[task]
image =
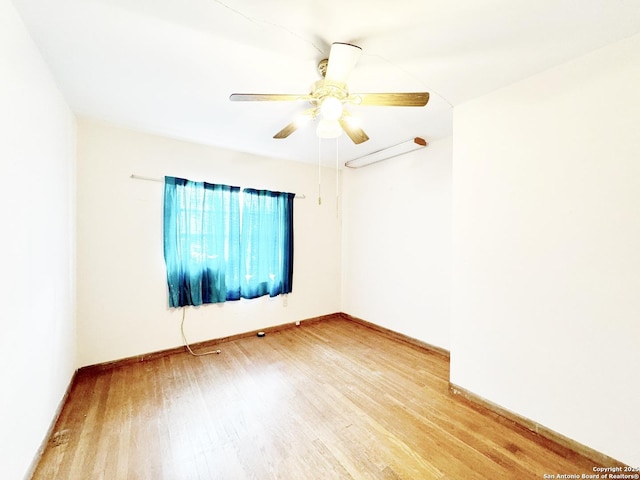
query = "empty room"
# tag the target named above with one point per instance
(311, 240)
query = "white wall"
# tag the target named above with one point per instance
(397, 243)
(546, 236)
(37, 154)
(122, 293)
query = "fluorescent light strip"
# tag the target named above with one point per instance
(387, 153)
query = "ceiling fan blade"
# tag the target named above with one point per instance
(356, 134)
(301, 120)
(414, 99)
(271, 97)
(286, 131)
(342, 58)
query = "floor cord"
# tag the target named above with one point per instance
(186, 343)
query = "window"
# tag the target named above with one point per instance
(267, 243)
(222, 244)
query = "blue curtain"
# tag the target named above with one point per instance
(201, 242)
(219, 246)
(267, 243)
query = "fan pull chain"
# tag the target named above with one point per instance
(319, 174)
(337, 182)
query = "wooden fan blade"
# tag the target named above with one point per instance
(270, 97)
(301, 120)
(414, 99)
(342, 58)
(356, 134)
(286, 131)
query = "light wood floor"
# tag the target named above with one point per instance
(331, 399)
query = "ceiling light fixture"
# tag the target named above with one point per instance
(387, 153)
(301, 120)
(331, 108)
(354, 122)
(328, 128)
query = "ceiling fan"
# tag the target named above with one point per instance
(329, 96)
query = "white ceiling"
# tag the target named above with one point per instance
(169, 66)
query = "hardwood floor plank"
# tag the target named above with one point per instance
(332, 399)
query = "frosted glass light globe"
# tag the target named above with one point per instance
(328, 129)
(331, 108)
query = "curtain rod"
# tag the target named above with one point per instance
(152, 179)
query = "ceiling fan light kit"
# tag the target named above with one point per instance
(328, 128)
(331, 108)
(329, 96)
